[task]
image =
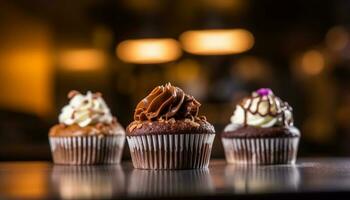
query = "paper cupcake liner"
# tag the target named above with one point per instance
(262, 179)
(164, 183)
(171, 151)
(88, 182)
(261, 151)
(84, 150)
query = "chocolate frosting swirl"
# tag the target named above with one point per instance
(165, 102)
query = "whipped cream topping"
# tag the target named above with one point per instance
(262, 109)
(85, 110)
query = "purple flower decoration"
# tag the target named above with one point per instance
(264, 91)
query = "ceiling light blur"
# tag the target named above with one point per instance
(217, 41)
(82, 59)
(149, 51)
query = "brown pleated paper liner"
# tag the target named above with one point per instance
(87, 150)
(261, 151)
(171, 151)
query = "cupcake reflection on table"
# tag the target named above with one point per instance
(88, 181)
(87, 132)
(261, 131)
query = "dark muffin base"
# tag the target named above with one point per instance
(173, 144)
(261, 146)
(172, 126)
(257, 132)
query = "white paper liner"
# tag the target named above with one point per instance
(88, 182)
(171, 151)
(82, 150)
(164, 183)
(261, 151)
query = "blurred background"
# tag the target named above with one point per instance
(218, 51)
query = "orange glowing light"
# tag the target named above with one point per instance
(149, 51)
(312, 62)
(251, 68)
(184, 71)
(82, 59)
(233, 6)
(337, 38)
(217, 41)
(26, 71)
(24, 184)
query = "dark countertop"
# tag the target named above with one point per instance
(321, 177)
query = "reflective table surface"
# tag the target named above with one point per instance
(318, 177)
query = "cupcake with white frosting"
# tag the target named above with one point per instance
(87, 132)
(261, 131)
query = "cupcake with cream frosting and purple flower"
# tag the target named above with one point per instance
(261, 131)
(87, 132)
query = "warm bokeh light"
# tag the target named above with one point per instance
(188, 73)
(143, 6)
(184, 71)
(251, 68)
(320, 127)
(26, 76)
(102, 37)
(217, 42)
(149, 51)
(233, 6)
(30, 183)
(82, 59)
(26, 71)
(337, 38)
(312, 62)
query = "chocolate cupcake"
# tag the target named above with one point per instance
(261, 131)
(167, 132)
(87, 132)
